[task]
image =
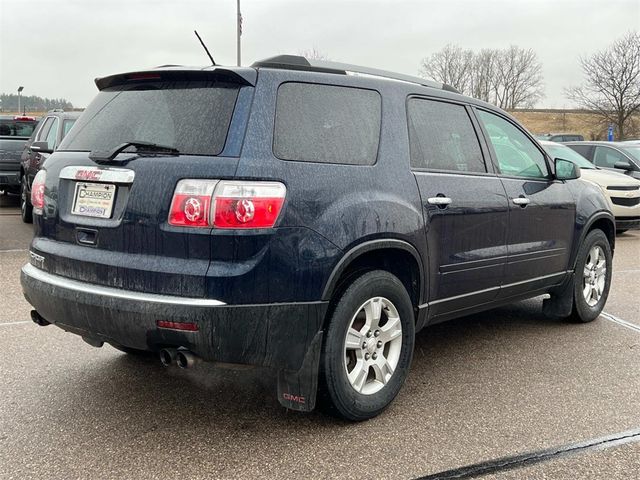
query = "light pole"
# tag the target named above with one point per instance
(238, 31)
(19, 94)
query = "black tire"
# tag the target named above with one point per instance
(582, 311)
(621, 231)
(26, 209)
(336, 394)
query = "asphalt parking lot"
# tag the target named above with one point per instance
(488, 386)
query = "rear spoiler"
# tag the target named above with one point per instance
(243, 76)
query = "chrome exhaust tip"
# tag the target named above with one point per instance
(186, 359)
(168, 356)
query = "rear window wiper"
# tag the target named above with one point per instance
(141, 147)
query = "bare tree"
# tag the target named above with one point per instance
(612, 83)
(509, 78)
(519, 78)
(483, 78)
(451, 65)
(313, 54)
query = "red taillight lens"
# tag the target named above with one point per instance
(191, 204)
(247, 204)
(37, 192)
(226, 204)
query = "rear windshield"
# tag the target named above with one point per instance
(17, 128)
(192, 117)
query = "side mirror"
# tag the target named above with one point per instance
(566, 170)
(41, 147)
(623, 165)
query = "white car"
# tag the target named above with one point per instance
(622, 190)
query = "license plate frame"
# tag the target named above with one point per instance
(94, 200)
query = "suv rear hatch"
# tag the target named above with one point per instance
(109, 187)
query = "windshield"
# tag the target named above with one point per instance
(17, 128)
(566, 153)
(633, 151)
(192, 117)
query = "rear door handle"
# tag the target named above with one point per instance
(522, 201)
(439, 201)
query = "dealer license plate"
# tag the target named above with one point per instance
(94, 199)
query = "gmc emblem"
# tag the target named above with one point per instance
(88, 174)
(293, 398)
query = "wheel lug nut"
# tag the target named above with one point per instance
(374, 356)
(364, 345)
(369, 333)
(377, 333)
(379, 344)
(367, 356)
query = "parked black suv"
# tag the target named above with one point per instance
(44, 140)
(295, 216)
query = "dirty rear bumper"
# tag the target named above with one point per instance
(627, 223)
(271, 335)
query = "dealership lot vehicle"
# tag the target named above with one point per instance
(622, 191)
(14, 133)
(561, 137)
(279, 216)
(43, 141)
(616, 156)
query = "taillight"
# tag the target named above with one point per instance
(191, 204)
(226, 204)
(37, 192)
(247, 204)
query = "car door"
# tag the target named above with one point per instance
(607, 157)
(541, 209)
(464, 205)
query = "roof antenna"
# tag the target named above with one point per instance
(205, 48)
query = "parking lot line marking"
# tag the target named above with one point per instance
(530, 458)
(619, 321)
(15, 250)
(14, 323)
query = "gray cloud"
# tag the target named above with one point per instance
(56, 49)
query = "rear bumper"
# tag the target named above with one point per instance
(627, 223)
(271, 335)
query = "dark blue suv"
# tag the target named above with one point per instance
(297, 216)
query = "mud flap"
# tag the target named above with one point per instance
(560, 305)
(297, 389)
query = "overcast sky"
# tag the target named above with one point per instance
(56, 48)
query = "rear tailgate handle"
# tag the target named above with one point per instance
(85, 236)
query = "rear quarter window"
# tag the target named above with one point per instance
(327, 124)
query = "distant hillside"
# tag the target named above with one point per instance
(584, 122)
(9, 103)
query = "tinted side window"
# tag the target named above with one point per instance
(584, 150)
(66, 126)
(442, 137)
(327, 124)
(516, 154)
(607, 157)
(52, 135)
(44, 131)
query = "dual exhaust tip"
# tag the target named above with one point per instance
(182, 358)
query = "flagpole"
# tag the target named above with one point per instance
(238, 30)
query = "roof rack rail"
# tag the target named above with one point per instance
(297, 62)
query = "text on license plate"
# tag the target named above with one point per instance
(94, 199)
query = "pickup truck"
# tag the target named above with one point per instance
(14, 133)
